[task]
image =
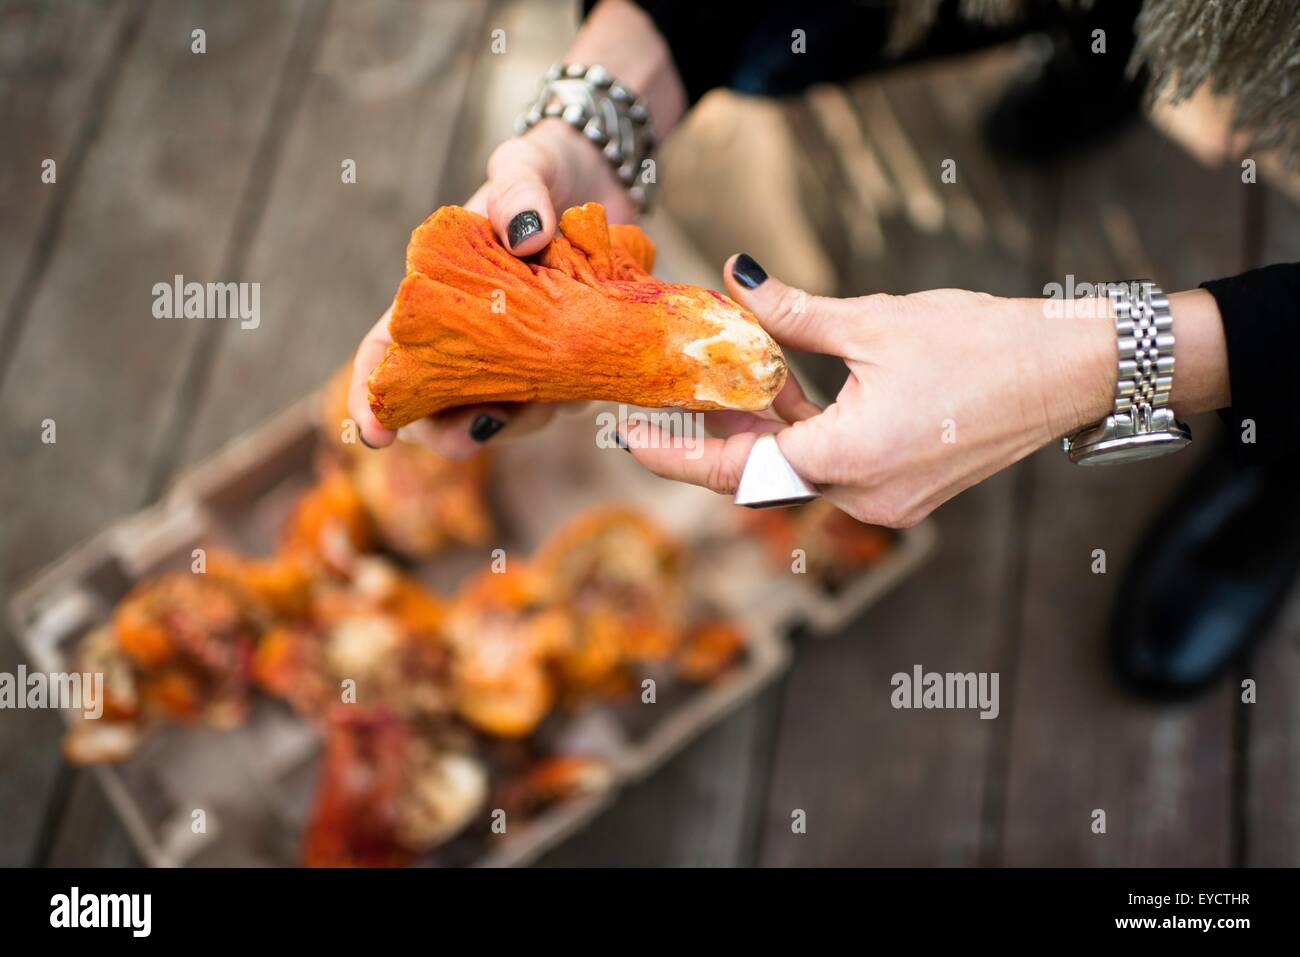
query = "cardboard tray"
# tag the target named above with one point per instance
(255, 782)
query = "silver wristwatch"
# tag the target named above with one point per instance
(1142, 425)
(605, 111)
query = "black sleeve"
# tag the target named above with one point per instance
(751, 45)
(1261, 321)
(780, 47)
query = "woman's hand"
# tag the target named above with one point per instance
(531, 179)
(945, 388)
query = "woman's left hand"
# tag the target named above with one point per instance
(945, 388)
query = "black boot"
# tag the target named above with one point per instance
(1068, 99)
(1208, 578)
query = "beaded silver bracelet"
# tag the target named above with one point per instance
(606, 112)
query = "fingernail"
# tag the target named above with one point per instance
(362, 436)
(523, 226)
(747, 272)
(622, 442)
(484, 427)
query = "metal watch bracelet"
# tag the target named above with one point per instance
(1146, 349)
(1141, 424)
(606, 112)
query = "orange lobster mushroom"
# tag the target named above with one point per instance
(418, 501)
(621, 578)
(502, 638)
(385, 795)
(583, 319)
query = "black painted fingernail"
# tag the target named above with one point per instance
(747, 272)
(523, 226)
(622, 442)
(484, 427)
(362, 436)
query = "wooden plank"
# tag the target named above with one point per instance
(307, 255)
(158, 196)
(969, 233)
(1271, 811)
(59, 66)
(88, 832)
(61, 63)
(695, 811)
(385, 92)
(1162, 775)
(1271, 802)
(373, 73)
(699, 810)
(745, 155)
(882, 786)
(537, 34)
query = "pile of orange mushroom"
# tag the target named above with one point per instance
(427, 703)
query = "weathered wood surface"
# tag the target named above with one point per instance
(327, 253)
(226, 166)
(1078, 743)
(385, 90)
(879, 785)
(700, 809)
(1270, 823)
(59, 64)
(156, 195)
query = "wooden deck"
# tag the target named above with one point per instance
(226, 165)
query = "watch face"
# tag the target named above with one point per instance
(1132, 448)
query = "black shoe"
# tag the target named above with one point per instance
(1068, 99)
(1208, 578)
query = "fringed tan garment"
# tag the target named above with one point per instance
(1246, 49)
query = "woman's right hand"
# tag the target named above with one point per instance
(531, 180)
(535, 177)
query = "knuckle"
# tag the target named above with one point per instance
(866, 513)
(506, 198)
(506, 153)
(887, 513)
(890, 518)
(908, 514)
(447, 445)
(516, 155)
(909, 519)
(723, 475)
(882, 305)
(794, 310)
(791, 305)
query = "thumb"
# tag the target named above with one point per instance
(520, 175)
(793, 317)
(814, 447)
